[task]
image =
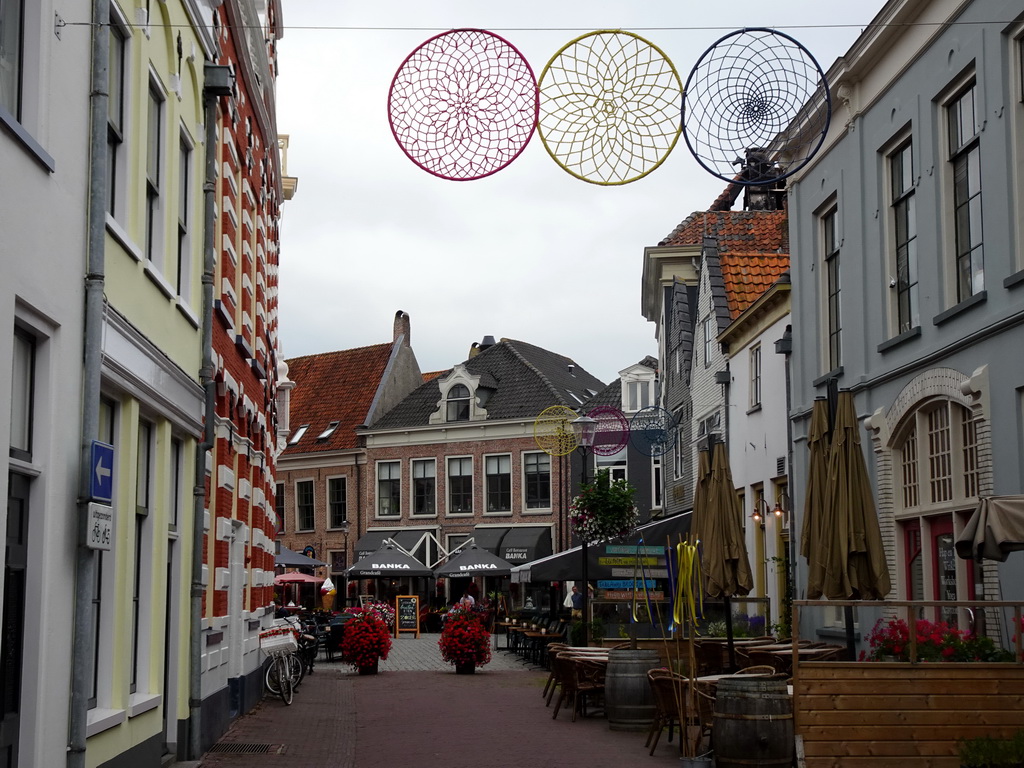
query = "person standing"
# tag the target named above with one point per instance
(577, 602)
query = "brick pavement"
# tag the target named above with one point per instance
(417, 712)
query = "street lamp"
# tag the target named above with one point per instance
(585, 428)
(344, 530)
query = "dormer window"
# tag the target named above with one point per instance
(638, 395)
(457, 406)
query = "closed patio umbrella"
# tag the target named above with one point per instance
(851, 546)
(812, 532)
(700, 494)
(994, 530)
(723, 549)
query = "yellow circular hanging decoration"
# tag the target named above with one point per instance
(553, 432)
(610, 107)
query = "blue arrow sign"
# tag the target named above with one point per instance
(101, 472)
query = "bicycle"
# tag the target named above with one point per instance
(284, 669)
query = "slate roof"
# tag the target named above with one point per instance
(612, 394)
(520, 379)
(334, 386)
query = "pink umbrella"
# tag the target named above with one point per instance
(295, 577)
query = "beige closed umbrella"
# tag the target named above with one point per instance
(994, 530)
(855, 566)
(811, 532)
(723, 549)
(698, 517)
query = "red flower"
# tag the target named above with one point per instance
(366, 639)
(464, 639)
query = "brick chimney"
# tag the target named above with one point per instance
(402, 328)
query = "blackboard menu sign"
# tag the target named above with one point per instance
(407, 614)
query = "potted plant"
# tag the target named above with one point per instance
(604, 509)
(366, 640)
(465, 641)
(889, 640)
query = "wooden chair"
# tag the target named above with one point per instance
(757, 669)
(552, 682)
(776, 661)
(709, 658)
(580, 678)
(704, 703)
(669, 691)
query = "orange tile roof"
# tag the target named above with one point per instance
(431, 375)
(748, 275)
(334, 386)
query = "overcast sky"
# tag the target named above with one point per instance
(529, 253)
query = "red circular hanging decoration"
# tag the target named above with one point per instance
(464, 104)
(612, 432)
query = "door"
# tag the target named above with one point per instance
(12, 630)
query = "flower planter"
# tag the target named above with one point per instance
(465, 669)
(370, 670)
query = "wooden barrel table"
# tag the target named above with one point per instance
(753, 722)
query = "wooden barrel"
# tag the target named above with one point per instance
(753, 723)
(628, 700)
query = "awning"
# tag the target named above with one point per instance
(289, 558)
(525, 543)
(489, 536)
(569, 564)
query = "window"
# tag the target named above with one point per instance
(755, 376)
(279, 506)
(183, 267)
(537, 486)
(304, 506)
(656, 480)
(143, 502)
(298, 434)
(458, 403)
(115, 109)
(964, 156)
(337, 502)
(638, 395)
(830, 251)
(460, 486)
(498, 470)
(10, 56)
(424, 486)
(904, 220)
(709, 335)
(22, 386)
(177, 481)
(154, 146)
(937, 457)
(614, 464)
(389, 490)
(329, 431)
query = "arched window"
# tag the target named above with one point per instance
(458, 403)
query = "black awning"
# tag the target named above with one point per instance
(489, 537)
(370, 541)
(569, 563)
(525, 543)
(289, 558)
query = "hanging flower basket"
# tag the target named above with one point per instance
(604, 509)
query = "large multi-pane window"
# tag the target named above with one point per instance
(279, 506)
(183, 267)
(424, 486)
(337, 502)
(904, 221)
(498, 471)
(755, 375)
(638, 394)
(115, 108)
(457, 406)
(537, 476)
(10, 56)
(143, 502)
(830, 252)
(389, 489)
(460, 486)
(304, 507)
(965, 158)
(22, 385)
(154, 146)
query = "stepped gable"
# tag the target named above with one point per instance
(518, 381)
(334, 386)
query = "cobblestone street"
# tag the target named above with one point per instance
(417, 712)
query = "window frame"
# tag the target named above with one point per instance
(902, 189)
(464, 494)
(424, 488)
(458, 402)
(394, 488)
(754, 355)
(831, 246)
(502, 479)
(536, 482)
(117, 129)
(963, 159)
(304, 506)
(154, 166)
(23, 393)
(334, 522)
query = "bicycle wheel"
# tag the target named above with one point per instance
(285, 679)
(296, 669)
(271, 677)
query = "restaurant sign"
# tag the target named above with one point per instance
(515, 553)
(626, 549)
(629, 560)
(625, 584)
(653, 573)
(629, 594)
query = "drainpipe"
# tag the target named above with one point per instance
(83, 640)
(217, 83)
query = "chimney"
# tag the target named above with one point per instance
(474, 349)
(487, 342)
(402, 328)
